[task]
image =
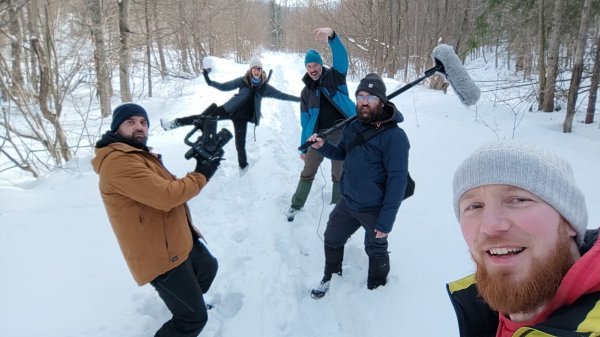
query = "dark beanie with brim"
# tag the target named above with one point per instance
(373, 84)
(126, 111)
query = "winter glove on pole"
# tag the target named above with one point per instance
(207, 167)
(206, 78)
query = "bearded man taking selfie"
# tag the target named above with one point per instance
(525, 222)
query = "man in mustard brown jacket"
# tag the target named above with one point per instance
(146, 206)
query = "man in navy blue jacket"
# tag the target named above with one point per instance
(324, 102)
(373, 182)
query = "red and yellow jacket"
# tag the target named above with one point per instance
(574, 310)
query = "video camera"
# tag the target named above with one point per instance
(209, 144)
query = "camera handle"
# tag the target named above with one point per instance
(186, 140)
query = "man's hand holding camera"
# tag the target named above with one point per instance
(207, 167)
(208, 148)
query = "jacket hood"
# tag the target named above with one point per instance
(110, 137)
(110, 142)
(389, 115)
(583, 277)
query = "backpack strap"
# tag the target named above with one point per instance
(364, 136)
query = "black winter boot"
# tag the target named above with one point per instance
(321, 289)
(379, 268)
(190, 120)
(333, 265)
(333, 260)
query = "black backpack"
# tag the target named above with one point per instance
(372, 132)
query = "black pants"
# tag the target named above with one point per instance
(181, 289)
(240, 129)
(343, 222)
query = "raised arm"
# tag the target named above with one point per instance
(338, 50)
(226, 86)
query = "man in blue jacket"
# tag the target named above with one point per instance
(324, 102)
(373, 182)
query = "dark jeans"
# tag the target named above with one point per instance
(240, 129)
(343, 222)
(181, 289)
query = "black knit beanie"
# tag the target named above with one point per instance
(373, 84)
(125, 111)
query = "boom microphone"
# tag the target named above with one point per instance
(448, 64)
(456, 74)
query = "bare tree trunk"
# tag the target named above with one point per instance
(541, 53)
(591, 108)
(102, 68)
(438, 82)
(148, 45)
(34, 30)
(16, 44)
(240, 19)
(464, 27)
(211, 33)
(124, 60)
(159, 41)
(407, 49)
(388, 36)
(578, 68)
(182, 37)
(553, 51)
(63, 150)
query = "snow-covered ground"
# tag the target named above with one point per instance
(63, 274)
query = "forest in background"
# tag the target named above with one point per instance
(52, 51)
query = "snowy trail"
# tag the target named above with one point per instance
(260, 246)
(61, 263)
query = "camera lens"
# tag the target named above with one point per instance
(223, 137)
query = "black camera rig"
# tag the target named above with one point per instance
(209, 144)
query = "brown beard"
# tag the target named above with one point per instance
(370, 116)
(507, 296)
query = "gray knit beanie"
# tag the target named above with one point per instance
(529, 167)
(255, 63)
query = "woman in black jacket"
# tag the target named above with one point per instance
(242, 108)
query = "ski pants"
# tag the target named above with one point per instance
(181, 289)
(343, 222)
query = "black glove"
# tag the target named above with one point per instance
(207, 167)
(206, 78)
